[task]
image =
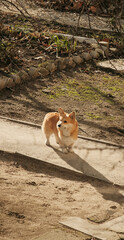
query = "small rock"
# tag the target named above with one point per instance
(3, 83)
(10, 83)
(16, 78)
(51, 67)
(103, 43)
(114, 50)
(105, 50)
(69, 61)
(60, 63)
(37, 58)
(7, 82)
(44, 72)
(34, 72)
(100, 51)
(95, 45)
(44, 64)
(47, 91)
(77, 59)
(99, 218)
(94, 54)
(101, 47)
(23, 75)
(86, 56)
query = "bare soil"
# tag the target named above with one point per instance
(35, 197)
(96, 97)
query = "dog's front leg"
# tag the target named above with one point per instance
(57, 139)
(70, 148)
(64, 149)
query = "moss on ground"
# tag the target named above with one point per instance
(107, 89)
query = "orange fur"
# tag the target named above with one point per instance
(64, 126)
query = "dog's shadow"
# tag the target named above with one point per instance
(86, 169)
(79, 164)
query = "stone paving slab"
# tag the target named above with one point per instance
(95, 230)
(92, 158)
(114, 65)
(116, 225)
(104, 231)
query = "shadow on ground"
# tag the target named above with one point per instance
(107, 190)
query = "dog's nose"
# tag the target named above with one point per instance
(59, 125)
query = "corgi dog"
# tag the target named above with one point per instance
(64, 126)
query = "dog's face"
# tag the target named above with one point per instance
(66, 122)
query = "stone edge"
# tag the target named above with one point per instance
(48, 67)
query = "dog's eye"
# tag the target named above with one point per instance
(65, 121)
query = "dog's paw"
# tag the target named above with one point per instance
(64, 150)
(47, 143)
(70, 150)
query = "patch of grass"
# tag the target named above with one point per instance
(93, 116)
(111, 86)
(56, 93)
(96, 116)
(114, 89)
(88, 92)
(78, 91)
(110, 118)
(106, 79)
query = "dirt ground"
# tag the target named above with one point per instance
(34, 197)
(96, 97)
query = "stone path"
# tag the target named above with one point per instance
(104, 231)
(92, 158)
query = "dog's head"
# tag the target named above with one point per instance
(66, 122)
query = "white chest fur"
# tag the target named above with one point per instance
(67, 141)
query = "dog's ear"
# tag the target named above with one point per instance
(72, 115)
(61, 111)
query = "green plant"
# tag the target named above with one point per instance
(62, 44)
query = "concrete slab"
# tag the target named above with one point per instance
(116, 225)
(94, 230)
(77, 38)
(99, 160)
(115, 65)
